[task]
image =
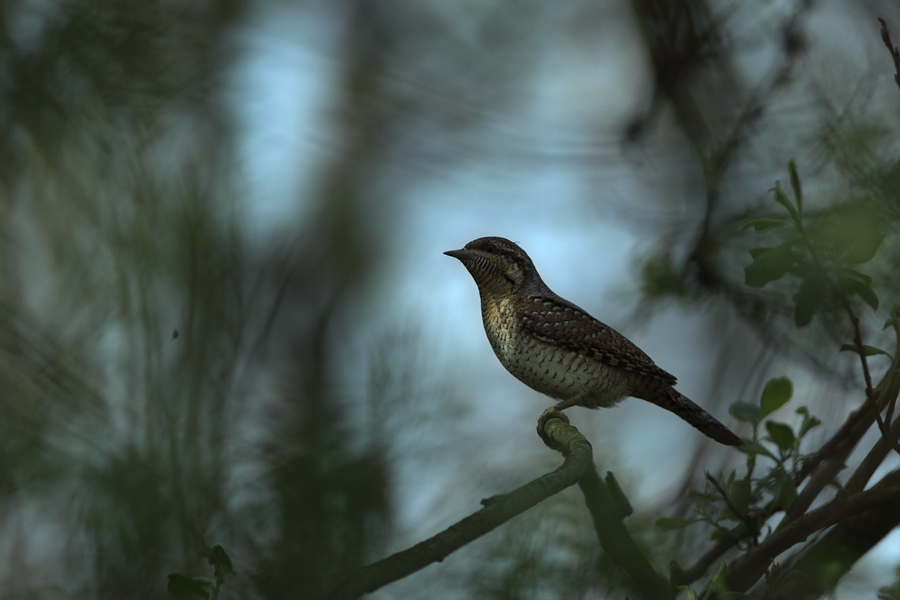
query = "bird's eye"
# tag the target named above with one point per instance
(490, 248)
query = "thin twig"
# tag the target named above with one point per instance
(745, 519)
(860, 348)
(895, 365)
(870, 393)
(860, 478)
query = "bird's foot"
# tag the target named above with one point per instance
(551, 413)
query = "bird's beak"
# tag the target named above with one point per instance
(461, 254)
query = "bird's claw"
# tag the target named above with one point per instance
(550, 413)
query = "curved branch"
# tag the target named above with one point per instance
(497, 510)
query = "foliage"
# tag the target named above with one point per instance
(745, 503)
(821, 252)
(169, 374)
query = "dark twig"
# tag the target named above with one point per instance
(889, 379)
(872, 461)
(860, 348)
(745, 519)
(895, 54)
(870, 392)
(889, 389)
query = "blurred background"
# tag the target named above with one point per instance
(225, 315)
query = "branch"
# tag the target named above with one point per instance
(747, 569)
(822, 564)
(887, 390)
(617, 541)
(826, 463)
(873, 460)
(698, 569)
(874, 402)
(497, 510)
(824, 466)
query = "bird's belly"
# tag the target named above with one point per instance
(563, 374)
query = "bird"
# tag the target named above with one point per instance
(558, 349)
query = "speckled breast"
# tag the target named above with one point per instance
(549, 369)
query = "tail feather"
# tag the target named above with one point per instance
(670, 399)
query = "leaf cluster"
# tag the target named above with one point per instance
(822, 251)
(737, 508)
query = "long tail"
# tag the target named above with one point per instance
(670, 399)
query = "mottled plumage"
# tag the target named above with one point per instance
(558, 349)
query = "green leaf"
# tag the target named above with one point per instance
(785, 492)
(674, 523)
(746, 412)
(847, 273)
(867, 350)
(859, 286)
(692, 595)
(853, 230)
(781, 434)
(795, 183)
(864, 248)
(751, 447)
(719, 588)
(739, 496)
(802, 267)
(763, 224)
(218, 558)
(781, 199)
(808, 422)
(721, 533)
(770, 264)
(775, 395)
(184, 585)
(767, 266)
(809, 298)
(703, 502)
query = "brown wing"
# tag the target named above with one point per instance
(558, 322)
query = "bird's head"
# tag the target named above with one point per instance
(497, 265)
